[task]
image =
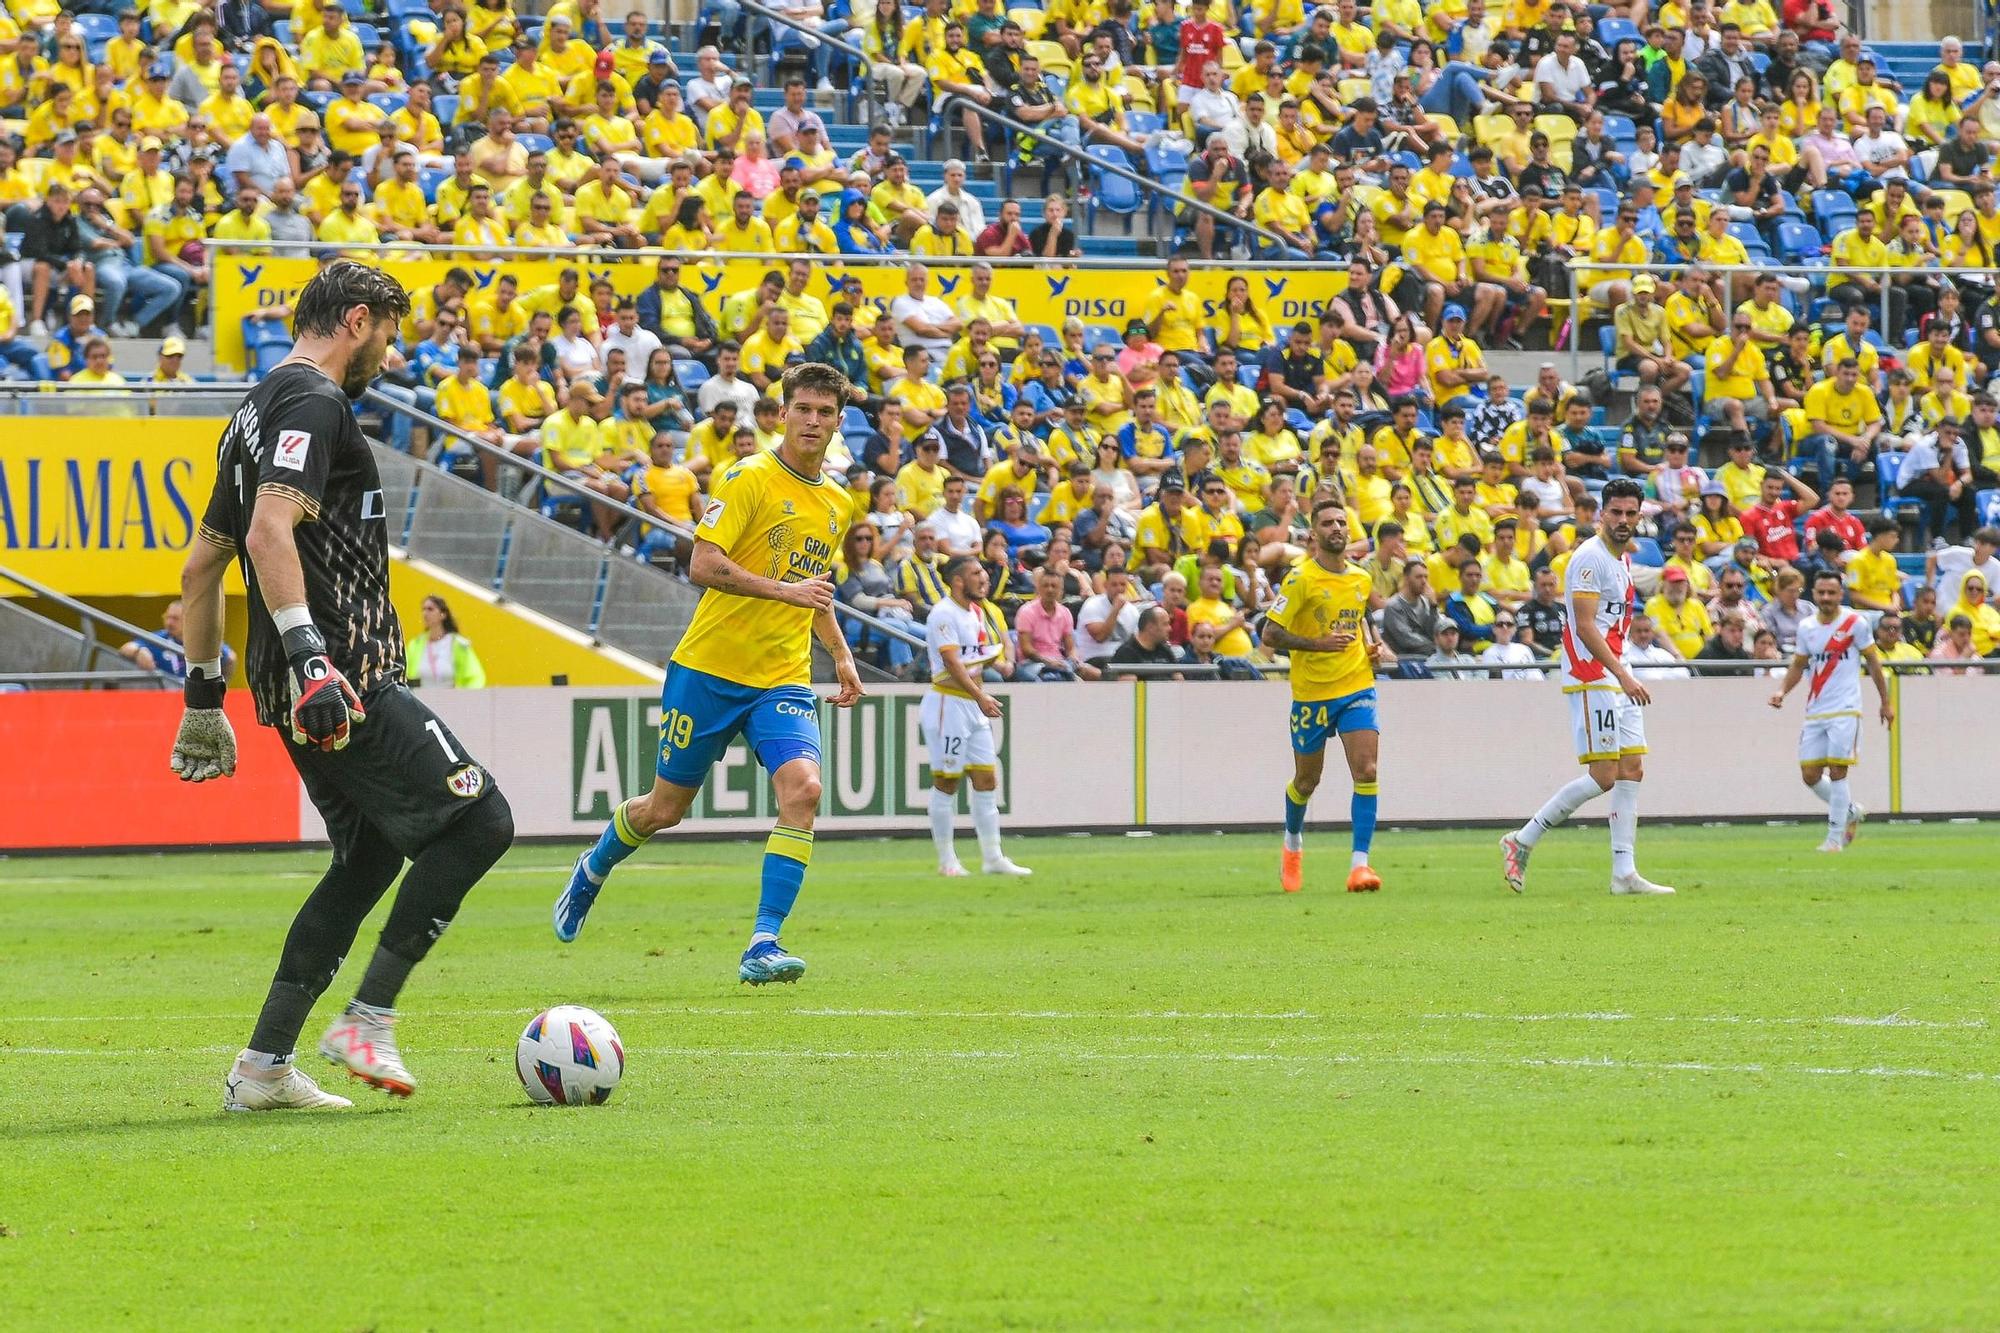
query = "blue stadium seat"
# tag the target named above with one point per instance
(445, 107)
(430, 178)
(1613, 30)
(97, 27)
(535, 143)
(854, 426)
(390, 103)
(1139, 124)
(1646, 551)
(1112, 192)
(690, 375)
(1051, 339)
(1833, 210)
(1799, 240)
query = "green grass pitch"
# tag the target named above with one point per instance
(1141, 1090)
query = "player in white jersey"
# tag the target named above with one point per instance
(956, 719)
(1605, 698)
(1834, 646)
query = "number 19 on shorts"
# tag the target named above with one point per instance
(676, 732)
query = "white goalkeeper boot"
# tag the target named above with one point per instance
(285, 1087)
(363, 1041)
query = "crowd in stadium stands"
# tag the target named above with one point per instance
(1134, 492)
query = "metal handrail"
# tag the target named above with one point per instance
(1580, 268)
(116, 680)
(1707, 666)
(439, 427)
(1005, 121)
(90, 618)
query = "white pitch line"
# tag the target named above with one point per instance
(1832, 1020)
(1098, 1016)
(1175, 1057)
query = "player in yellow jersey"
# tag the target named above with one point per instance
(763, 550)
(1321, 620)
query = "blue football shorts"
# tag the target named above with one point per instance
(1313, 721)
(701, 714)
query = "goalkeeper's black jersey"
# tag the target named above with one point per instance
(296, 436)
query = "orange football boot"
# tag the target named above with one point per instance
(1363, 879)
(1291, 871)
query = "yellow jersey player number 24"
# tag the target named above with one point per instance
(763, 553)
(1320, 621)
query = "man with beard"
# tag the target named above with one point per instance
(298, 502)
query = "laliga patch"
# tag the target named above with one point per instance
(712, 515)
(291, 450)
(467, 781)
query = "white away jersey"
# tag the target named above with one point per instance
(1593, 569)
(1833, 663)
(964, 629)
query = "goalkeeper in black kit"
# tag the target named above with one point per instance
(299, 503)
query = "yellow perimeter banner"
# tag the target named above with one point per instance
(1044, 295)
(105, 507)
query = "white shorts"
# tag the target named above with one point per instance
(1834, 739)
(957, 735)
(1606, 725)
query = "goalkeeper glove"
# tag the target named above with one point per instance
(324, 705)
(205, 746)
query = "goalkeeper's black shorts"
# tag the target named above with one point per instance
(403, 778)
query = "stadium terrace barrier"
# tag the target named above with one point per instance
(1106, 757)
(551, 482)
(1583, 276)
(1101, 292)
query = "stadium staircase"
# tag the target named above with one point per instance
(521, 544)
(61, 643)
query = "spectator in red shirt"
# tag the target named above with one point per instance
(1812, 20)
(1004, 236)
(1201, 46)
(1771, 519)
(1834, 517)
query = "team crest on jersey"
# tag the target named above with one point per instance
(467, 781)
(790, 509)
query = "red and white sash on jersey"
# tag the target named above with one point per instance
(1837, 646)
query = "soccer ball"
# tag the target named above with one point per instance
(569, 1056)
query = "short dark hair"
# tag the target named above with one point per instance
(1621, 488)
(816, 377)
(1833, 574)
(337, 289)
(1881, 524)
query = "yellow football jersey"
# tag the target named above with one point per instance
(780, 525)
(1313, 601)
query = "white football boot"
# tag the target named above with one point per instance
(1000, 865)
(365, 1045)
(1636, 883)
(285, 1088)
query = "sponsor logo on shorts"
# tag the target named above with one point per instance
(467, 781)
(797, 710)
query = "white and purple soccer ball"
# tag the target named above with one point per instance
(569, 1056)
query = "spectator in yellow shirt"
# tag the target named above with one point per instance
(330, 52)
(1681, 618)
(606, 211)
(348, 225)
